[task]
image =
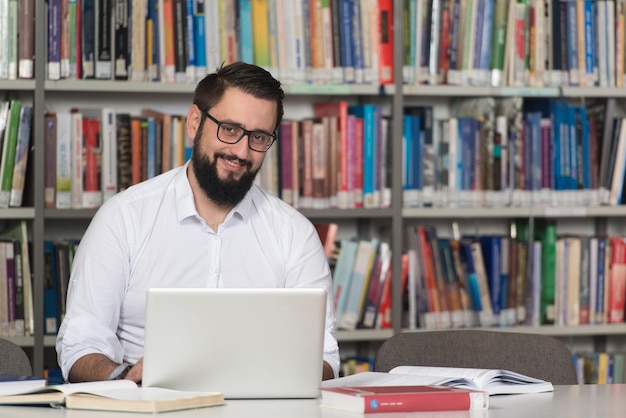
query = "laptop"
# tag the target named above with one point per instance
(245, 343)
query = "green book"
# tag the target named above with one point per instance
(548, 272)
(618, 367)
(8, 153)
(498, 41)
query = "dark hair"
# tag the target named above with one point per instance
(248, 78)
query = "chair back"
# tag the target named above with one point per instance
(534, 355)
(13, 360)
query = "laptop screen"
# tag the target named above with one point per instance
(245, 343)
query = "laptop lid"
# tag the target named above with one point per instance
(245, 343)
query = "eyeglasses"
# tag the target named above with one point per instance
(231, 134)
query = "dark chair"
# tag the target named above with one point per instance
(534, 355)
(13, 360)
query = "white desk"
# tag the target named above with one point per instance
(588, 401)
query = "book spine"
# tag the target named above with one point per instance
(77, 159)
(103, 49)
(54, 40)
(181, 49)
(73, 34)
(88, 38)
(120, 45)
(386, 67)
(108, 153)
(92, 191)
(26, 43)
(190, 42)
(123, 151)
(8, 152)
(22, 149)
(50, 144)
(19, 289)
(199, 33)
(50, 297)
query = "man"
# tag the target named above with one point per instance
(200, 225)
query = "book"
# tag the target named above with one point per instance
(368, 399)
(493, 381)
(11, 383)
(112, 395)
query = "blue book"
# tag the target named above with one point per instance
(190, 37)
(492, 248)
(590, 44)
(343, 273)
(359, 280)
(50, 291)
(346, 14)
(200, 38)
(407, 163)
(151, 152)
(466, 130)
(478, 37)
(367, 112)
(485, 48)
(572, 148)
(88, 38)
(572, 45)
(245, 31)
(357, 43)
(473, 289)
(583, 122)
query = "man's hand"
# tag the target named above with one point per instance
(92, 367)
(135, 372)
(327, 372)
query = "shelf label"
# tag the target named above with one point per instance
(566, 211)
(527, 92)
(319, 89)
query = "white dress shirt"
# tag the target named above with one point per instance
(152, 236)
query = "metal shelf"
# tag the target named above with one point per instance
(364, 335)
(556, 330)
(17, 213)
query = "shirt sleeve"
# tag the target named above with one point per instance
(96, 290)
(308, 267)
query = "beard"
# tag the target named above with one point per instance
(223, 192)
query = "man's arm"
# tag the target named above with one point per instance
(327, 372)
(94, 367)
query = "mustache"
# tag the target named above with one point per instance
(230, 157)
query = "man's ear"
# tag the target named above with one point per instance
(192, 122)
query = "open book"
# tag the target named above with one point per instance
(493, 381)
(113, 395)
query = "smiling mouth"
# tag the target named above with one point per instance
(233, 161)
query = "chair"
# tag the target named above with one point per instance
(13, 360)
(533, 355)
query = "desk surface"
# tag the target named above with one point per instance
(585, 401)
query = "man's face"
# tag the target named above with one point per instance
(225, 172)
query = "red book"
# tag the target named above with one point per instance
(338, 109)
(385, 8)
(368, 399)
(617, 281)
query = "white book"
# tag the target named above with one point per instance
(12, 40)
(64, 161)
(212, 33)
(4, 39)
(494, 381)
(76, 144)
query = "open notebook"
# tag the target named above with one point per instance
(245, 343)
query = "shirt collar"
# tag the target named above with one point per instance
(185, 205)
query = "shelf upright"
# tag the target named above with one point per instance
(37, 256)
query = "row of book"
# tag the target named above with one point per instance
(339, 41)
(496, 280)
(15, 142)
(598, 368)
(338, 158)
(515, 152)
(91, 154)
(16, 296)
(491, 42)
(17, 39)
(514, 42)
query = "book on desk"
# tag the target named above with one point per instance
(493, 381)
(110, 395)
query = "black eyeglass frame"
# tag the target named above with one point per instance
(245, 132)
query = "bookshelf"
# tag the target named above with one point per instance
(44, 221)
